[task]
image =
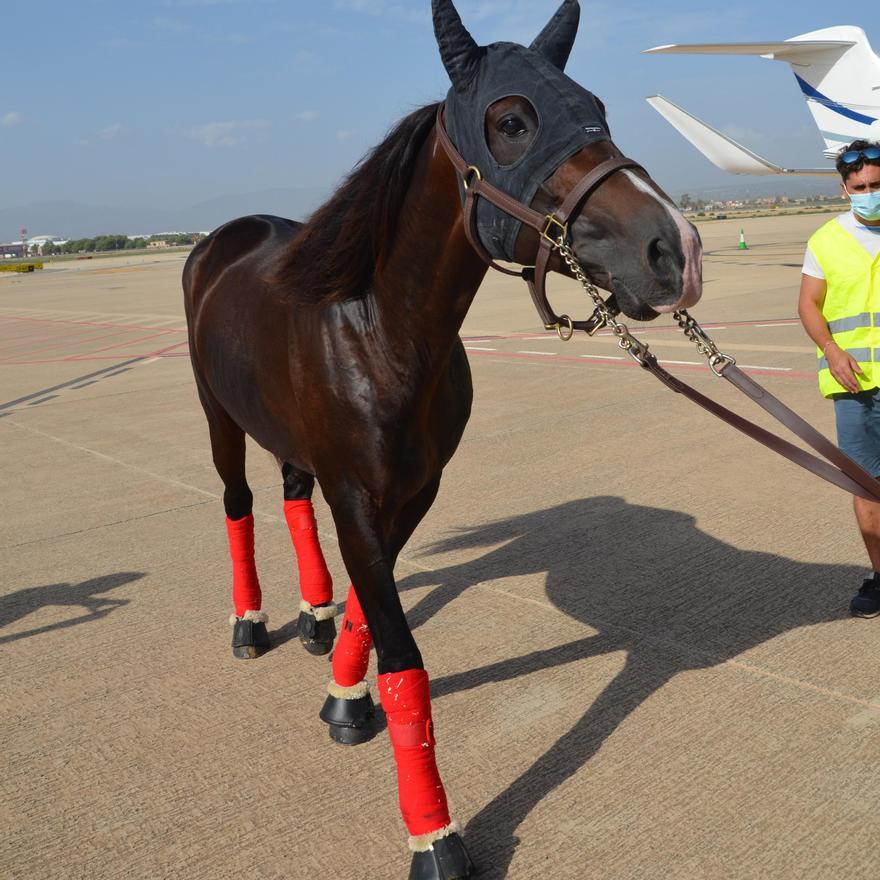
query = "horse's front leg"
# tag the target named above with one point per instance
(404, 691)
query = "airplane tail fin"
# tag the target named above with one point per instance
(725, 152)
(836, 70)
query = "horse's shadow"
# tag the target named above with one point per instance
(86, 595)
(653, 585)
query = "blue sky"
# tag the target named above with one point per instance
(170, 102)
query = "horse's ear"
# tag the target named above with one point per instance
(557, 38)
(458, 50)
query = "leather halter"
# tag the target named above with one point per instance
(550, 227)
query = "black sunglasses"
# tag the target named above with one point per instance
(851, 156)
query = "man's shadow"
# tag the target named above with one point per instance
(653, 585)
(85, 595)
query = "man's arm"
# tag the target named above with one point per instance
(812, 297)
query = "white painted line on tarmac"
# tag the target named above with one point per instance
(756, 367)
(132, 467)
(780, 324)
(603, 357)
(544, 353)
(682, 363)
(152, 360)
(476, 348)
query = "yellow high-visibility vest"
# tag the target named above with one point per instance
(852, 303)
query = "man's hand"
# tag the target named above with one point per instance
(844, 367)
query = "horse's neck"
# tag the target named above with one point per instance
(431, 274)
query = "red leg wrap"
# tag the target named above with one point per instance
(406, 700)
(315, 583)
(351, 656)
(246, 595)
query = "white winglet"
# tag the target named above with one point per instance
(723, 151)
(836, 70)
(781, 51)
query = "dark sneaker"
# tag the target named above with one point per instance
(866, 603)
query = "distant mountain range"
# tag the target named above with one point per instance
(70, 219)
(76, 220)
(761, 187)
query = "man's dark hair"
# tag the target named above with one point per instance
(845, 169)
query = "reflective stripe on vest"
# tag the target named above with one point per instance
(852, 304)
(841, 325)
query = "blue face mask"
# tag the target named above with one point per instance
(866, 205)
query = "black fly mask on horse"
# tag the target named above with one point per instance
(569, 116)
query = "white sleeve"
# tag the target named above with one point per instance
(811, 266)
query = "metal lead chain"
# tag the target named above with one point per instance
(705, 345)
(635, 348)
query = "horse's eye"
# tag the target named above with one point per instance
(512, 127)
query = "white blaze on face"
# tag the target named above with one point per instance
(691, 275)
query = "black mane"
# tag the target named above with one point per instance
(340, 246)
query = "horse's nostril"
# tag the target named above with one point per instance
(659, 254)
(656, 251)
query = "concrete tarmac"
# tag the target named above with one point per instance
(635, 619)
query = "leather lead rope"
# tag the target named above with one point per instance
(839, 469)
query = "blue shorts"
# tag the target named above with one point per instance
(858, 427)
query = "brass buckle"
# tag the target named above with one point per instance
(564, 328)
(471, 170)
(596, 322)
(553, 221)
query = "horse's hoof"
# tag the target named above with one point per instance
(317, 636)
(351, 722)
(446, 859)
(250, 638)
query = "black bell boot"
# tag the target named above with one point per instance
(250, 637)
(444, 859)
(349, 713)
(317, 627)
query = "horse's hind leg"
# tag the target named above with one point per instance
(317, 628)
(249, 635)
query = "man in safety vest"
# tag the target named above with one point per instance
(839, 307)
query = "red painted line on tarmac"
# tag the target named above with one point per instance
(638, 329)
(629, 362)
(92, 323)
(103, 357)
(17, 333)
(58, 341)
(117, 345)
(66, 360)
(17, 344)
(169, 352)
(163, 352)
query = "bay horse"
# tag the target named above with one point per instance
(334, 344)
